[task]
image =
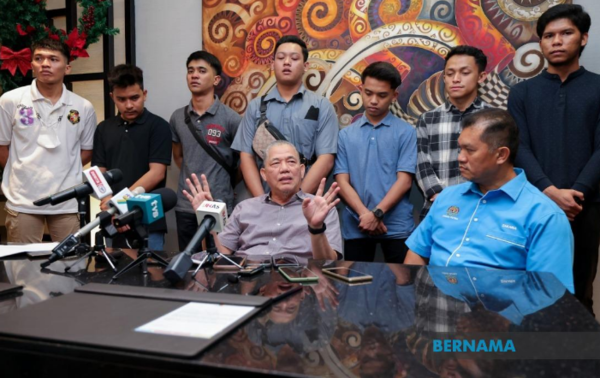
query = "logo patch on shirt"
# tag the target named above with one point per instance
(452, 212)
(509, 227)
(74, 117)
(214, 134)
(451, 278)
(26, 113)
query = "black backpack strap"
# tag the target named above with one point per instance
(263, 109)
(209, 150)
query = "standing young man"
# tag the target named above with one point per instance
(306, 120)
(558, 114)
(135, 141)
(374, 168)
(46, 135)
(216, 124)
(438, 130)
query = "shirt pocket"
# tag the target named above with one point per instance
(507, 240)
(305, 134)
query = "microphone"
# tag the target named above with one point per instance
(112, 177)
(212, 216)
(147, 208)
(68, 243)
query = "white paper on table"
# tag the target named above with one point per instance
(9, 250)
(200, 320)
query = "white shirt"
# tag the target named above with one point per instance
(45, 146)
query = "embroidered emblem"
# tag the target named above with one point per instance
(452, 211)
(74, 117)
(26, 114)
(451, 278)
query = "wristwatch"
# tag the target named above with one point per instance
(317, 231)
(378, 213)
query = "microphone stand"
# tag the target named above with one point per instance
(84, 241)
(76, 244)
(144, 253)
(212, 254)
(182, 263)
(98, 250)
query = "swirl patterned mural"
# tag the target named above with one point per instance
(344, 36)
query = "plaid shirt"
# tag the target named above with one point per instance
(437, 144)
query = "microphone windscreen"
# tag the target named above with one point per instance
(168, 196)
(113, 176)
(139, 190)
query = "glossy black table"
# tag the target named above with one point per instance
(384, 328)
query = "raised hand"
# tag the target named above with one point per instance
(315, 209)
(199, 190)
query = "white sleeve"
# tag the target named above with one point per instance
(89, 127)
(7, 116)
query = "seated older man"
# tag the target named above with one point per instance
(284, 221)
(498, 220)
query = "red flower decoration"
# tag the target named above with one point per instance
(20, 30)
(11, 60)
(28, 30)
(76, 42)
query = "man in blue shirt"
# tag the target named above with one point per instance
(374, 167)
(498, 220)
(305, 119)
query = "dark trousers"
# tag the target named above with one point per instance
(394, 250)
(586, 232)
(187, 225)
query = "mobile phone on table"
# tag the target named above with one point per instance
(298, 274)
(251, 270)
(254, 261)
(347, 275)
(224, 264)
(285, 261)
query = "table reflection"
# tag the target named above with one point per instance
(381, 328)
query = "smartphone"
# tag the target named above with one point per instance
(286, 260)
(303, 274)
(264, 261)
(224, 264)
(251, 270)
(347, 275)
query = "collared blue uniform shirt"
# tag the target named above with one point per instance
(373, 155)
(512, 294)
(514, 227)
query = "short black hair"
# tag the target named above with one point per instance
(54, 45)
(209, 58)
(477, 54)
(573, 12)
(500, 129)
(292, 39)
(383, 71)
(125, 75)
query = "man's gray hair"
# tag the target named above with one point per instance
(279, 143)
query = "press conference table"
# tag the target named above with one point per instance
(386, 327)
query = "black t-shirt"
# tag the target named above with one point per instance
(131, 147)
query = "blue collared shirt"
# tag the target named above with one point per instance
(382, 302)
(372, 155)
(514, 227)
(512, 294)
(307, 120)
